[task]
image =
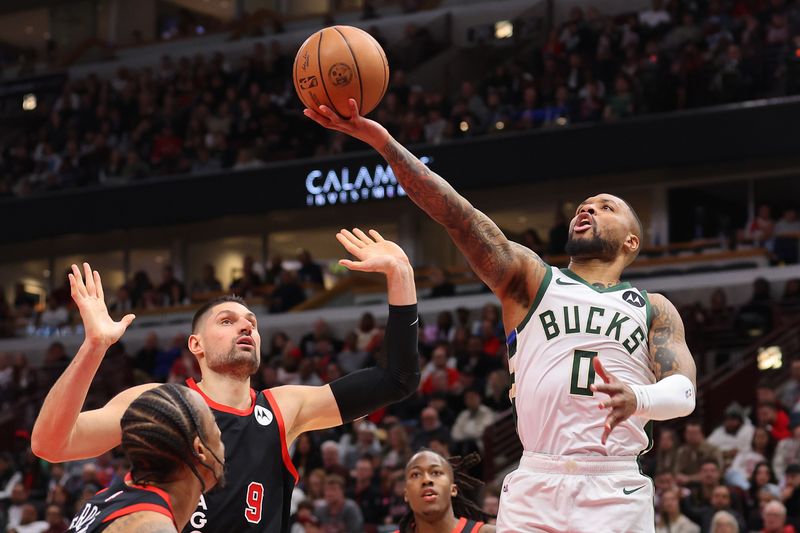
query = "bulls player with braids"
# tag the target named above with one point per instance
(176, 453)
(257, 426)
(435, 492)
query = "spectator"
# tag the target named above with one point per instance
(439, 361)
(9, 477)
(337, 513)
(787, 233)
(787, 452)
(332, 460)
(397, 451)
(29, 521)
(756, 317)
(789, 392)
(472, 421)
(724, 522)
(790, 493)
(694, 452)
(249, 280)
(304, 520)
(208, 282)
(773, 419)
(762, 227)
(774, 516)
(309, 272)
(762, 478)
(497, 391)
(430, 428)
(745, 461)
(655, 16)
(366, 443)
(18, 500)
(396, 506)
(735, 433)
(54, 317)
(273, 274)
(721, 502)
(667, 451)
(54, 516)
(287, 295)
(670, 519)
(366, 493)
(440, 285)
(171, 289)
(366, 332)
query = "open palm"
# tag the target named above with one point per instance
(374, 253)
(88, 296)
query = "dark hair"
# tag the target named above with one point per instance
(212, 303)
(772, 479)
(158, 432)
(639, 225)
(463, 507)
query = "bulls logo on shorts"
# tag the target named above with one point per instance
(263, 416)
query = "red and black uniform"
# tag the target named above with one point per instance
(120, 499)
(464, 526)
(259, 474)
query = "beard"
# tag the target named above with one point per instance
(594, 247)
(237, 363)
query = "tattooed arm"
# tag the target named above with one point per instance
(512, 271)
(672, 363)
(669, 354)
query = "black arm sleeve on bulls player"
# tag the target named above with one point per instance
(364, 391)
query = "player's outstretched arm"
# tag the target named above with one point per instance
(364, 391)
(142, 522)
(511, 271)
(62, 432)
(674, 393)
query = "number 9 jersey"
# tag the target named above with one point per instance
(259, 474)
(550, 360)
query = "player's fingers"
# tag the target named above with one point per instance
(377, 236)
(613, 402)
(98, 285)
(352, 265)
(330, 114)
(79, 286)
(348, 245)
(363, 236)
(316, 117)
(127, 319)
(600, 370)
(352, 238)
(607, 388)
(351, 103)
(610, 424)
(89, 279)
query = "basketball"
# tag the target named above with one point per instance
(339, 63)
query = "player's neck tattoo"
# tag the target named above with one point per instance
(601, 285)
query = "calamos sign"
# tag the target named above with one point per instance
(348, 186)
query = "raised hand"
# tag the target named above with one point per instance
(356, 126)
(622, 401)
(88, 296)
(374, 253)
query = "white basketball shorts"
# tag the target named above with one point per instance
(576, 494)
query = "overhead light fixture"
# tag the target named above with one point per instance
(503, 29)
(770, 358)
(29, 102)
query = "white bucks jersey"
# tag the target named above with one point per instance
(550, 359)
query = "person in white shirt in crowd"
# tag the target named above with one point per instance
(787, 452)
(472, 421)
(735, 433)
(29, 521)
(789, 392)
(743, 464)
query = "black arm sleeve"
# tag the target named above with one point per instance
(364, 391)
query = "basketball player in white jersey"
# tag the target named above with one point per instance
(592, 360)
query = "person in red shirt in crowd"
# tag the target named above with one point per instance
(439, 360)
(774, 419)
(774, 516)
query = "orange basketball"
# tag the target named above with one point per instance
(339, 63)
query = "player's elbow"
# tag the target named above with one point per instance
(42, 447)
(402, 385)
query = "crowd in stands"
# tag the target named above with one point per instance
(352, 477)
(204, 114)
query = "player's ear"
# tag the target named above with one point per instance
(453, 490)
(199, 449)
(632, 242)
(195, 345)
